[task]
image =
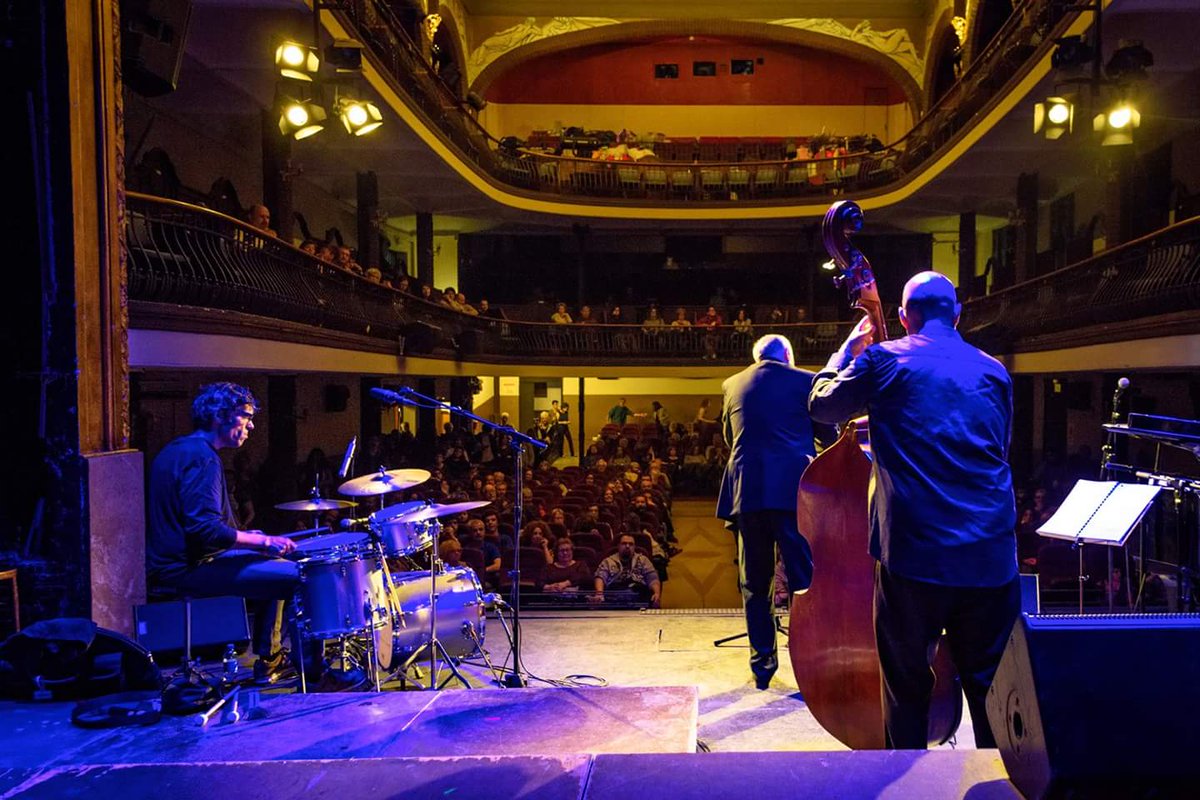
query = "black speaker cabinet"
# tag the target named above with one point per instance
(216, 623)
(153, 33)
(1100, 706)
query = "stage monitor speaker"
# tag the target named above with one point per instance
(153, 33)
(1100, 706)
(216, 623)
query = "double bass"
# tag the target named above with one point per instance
(831, 634)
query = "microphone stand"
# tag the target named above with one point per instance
(1106, 473)
(516, 439)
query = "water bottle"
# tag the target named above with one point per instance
(229, 664)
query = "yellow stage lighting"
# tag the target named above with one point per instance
(1116, 126)
(1054, 117)
(360, 117)
(300, 119)
(297, 61)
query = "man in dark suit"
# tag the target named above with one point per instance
(771, 439)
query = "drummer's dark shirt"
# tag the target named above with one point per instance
(189, 518)
(940, 419)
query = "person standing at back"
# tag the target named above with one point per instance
(942, 513)
(771, 439)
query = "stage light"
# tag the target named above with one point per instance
(297, 61)
(345, 56)
(1116, 126)
(1054, 117)
(1129, 61)
(1071, 52)
(300, 119)
(829, 265)
(359, 116)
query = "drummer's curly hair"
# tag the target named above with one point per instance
(218, 402)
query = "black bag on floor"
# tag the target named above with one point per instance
(69, 659)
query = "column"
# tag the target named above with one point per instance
(425, 248)
(581, 237)
(368, 230)
(1025, 257)
(277, 176)
(967, 257)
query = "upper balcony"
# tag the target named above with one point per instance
(203, 286)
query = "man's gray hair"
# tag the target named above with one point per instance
(774, 347)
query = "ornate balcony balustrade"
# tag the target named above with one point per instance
(187, 261)
(1030, 29)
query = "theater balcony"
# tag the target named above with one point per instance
(207, 291)
(746, 176)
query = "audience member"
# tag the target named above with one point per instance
(564, 573)
(629, 569)
(560, 315)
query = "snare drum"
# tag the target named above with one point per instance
(348, 543)
(341, 591)
(460, 612)
(404, 538)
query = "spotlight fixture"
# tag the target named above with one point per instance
(1129, 61)
(359, 116)
(829, 265)
(1116, 126)
(1054, 117)
(1071, 52)
(345, 56)
(301, 119)
(297, 61)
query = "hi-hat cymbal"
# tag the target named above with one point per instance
(381, 482)
(312, 506)
(433, 510)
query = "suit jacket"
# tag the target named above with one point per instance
(770, 436)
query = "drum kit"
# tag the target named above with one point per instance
(361, 588)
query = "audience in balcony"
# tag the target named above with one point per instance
(560, 315)
(259, 216)
(681, 320)
(711, 321)
(653, 321)
(742, 324)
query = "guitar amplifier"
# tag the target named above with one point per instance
(217, 622)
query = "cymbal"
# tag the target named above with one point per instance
(433, 510)
(383, 482)
(321, 504)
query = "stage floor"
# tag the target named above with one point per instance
(666, 690)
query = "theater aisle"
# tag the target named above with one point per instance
(704, 574)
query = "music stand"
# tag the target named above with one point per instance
(1099, 513)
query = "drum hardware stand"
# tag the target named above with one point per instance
(436, 648)
(407, 395)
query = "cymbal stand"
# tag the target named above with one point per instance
(409, 396)
(437, 651)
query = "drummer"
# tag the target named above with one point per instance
(193, 545)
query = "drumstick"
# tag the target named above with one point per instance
(297, 535)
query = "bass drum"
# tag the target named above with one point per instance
(460, 615)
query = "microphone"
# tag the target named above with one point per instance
(1122, 385)
(387, 395)
(346, 459)
(493, 601)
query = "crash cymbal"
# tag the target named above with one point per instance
(433, 510)
(311, 506)
(381, 482)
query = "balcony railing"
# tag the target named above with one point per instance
(1154, 277)
(1029, 31)
(187, 256)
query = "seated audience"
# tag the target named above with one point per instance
(629, 569)
(560, 315)
(564, 573)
